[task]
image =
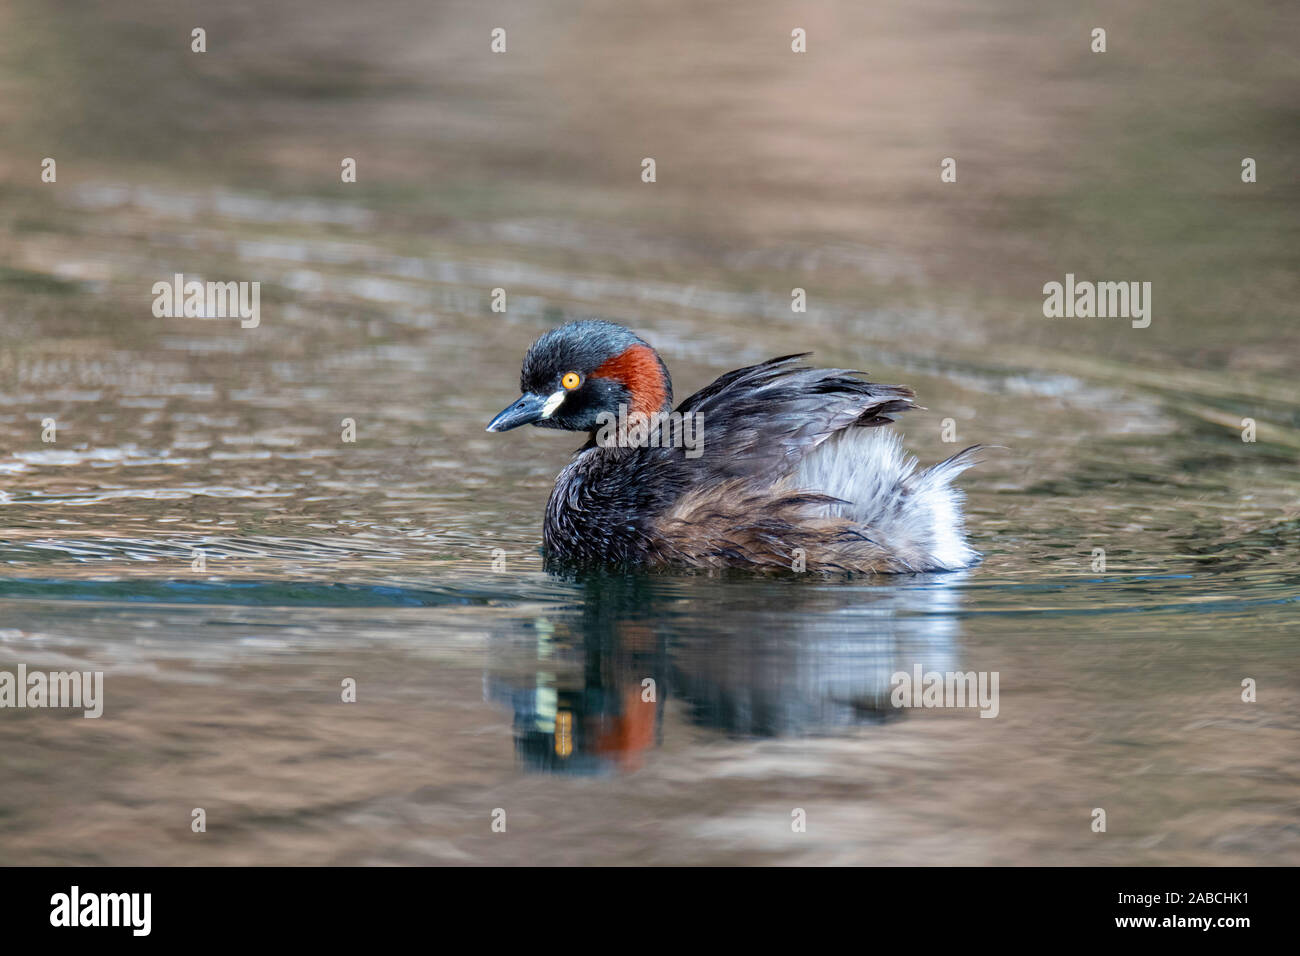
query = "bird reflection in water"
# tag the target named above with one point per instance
(591, 687)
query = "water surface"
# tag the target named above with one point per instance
(202, 533)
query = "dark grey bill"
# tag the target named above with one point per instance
(525, 411)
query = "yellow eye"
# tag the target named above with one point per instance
(571, 380)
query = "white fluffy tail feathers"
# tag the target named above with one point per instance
(916, 515)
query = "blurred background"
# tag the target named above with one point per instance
(200, 531)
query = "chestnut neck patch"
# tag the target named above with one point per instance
(639, 369)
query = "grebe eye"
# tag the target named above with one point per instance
(571, 380)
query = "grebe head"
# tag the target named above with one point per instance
(573, 374)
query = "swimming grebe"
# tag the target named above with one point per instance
(773, 466)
